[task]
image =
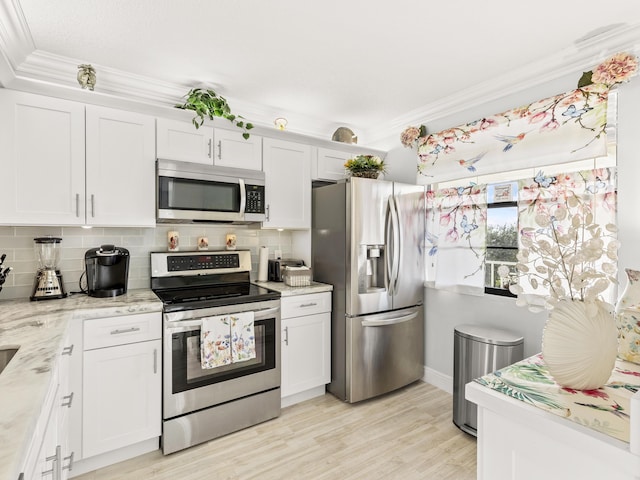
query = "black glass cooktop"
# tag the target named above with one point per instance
(188, 298)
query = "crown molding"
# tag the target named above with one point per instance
(24, 67)
(15, 39)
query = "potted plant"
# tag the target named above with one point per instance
(207, 103)
(368, 166)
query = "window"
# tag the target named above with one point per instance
(502, 238)
(501, 222)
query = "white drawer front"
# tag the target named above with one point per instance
(106, 332)
(301, 305)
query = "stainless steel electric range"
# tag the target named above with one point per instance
(202, 404)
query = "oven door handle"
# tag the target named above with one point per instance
(258, 315)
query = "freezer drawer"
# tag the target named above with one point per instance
(384, 352)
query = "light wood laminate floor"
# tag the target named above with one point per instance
(408, 434)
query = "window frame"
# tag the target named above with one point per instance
(502, 292)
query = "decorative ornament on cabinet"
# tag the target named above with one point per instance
(86, 76)
(344, 135)
(280, 123)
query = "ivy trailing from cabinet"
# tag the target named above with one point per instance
(207, 103)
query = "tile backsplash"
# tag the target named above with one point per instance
(17, 243)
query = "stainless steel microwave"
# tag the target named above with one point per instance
(192, 192)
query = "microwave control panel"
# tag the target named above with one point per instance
(255, 199)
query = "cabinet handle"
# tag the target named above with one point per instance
(125, 330)
(67, 400)
(93, 206)
(267, 213)
(210, 144)
(56, 471)
(70, 465)
(286, 336)
(220, 149)
(310, 304)
(155, 361)
(77, 204)
(67, 350)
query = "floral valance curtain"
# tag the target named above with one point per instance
(456, 225)
(563, 128)
(567, 237)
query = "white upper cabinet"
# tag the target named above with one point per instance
(64, 163)
(42, 160)
(233, 150)
(120, 168)
(328, 164)
(287, 168)
(183, 142)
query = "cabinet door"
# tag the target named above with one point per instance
(183, 142)
(70, 398)
(233, 150)
(41, 160)
(121, 396)
(49, 467)
(329, 164)
(287, 168)
(120, 168)
(306, 353)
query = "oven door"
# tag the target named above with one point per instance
(188, 387)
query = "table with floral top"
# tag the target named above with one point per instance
(605, 409)
(530, 427)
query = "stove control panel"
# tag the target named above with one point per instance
(199, 263)
(202, 262)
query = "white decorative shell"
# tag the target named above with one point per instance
(580, 344)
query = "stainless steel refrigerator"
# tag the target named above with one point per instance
(368, 242)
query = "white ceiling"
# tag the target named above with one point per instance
(374, 66)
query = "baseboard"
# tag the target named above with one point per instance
(302, 396)
(437, 379)
(99, 461)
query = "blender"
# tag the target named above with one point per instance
(48, 282)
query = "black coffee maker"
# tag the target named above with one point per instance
(107, 270)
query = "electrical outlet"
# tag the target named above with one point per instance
(278, 254)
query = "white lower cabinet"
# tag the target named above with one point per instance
(121, 402)
(50, 456)
(306, 346)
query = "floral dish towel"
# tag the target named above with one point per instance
(243, 340)
(215, 341)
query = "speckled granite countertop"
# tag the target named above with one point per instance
(286, 291)
(39, 329)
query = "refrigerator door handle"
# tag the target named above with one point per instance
(388, 230)
(397, 244)
(390, 321)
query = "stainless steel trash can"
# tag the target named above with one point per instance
(477, 351)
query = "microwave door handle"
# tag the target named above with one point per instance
(243, 197)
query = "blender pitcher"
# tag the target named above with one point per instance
(48, 281)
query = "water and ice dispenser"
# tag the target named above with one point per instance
(371, 269)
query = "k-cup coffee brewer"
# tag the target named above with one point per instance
(107, 269)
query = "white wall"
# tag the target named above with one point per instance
(445, 310)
